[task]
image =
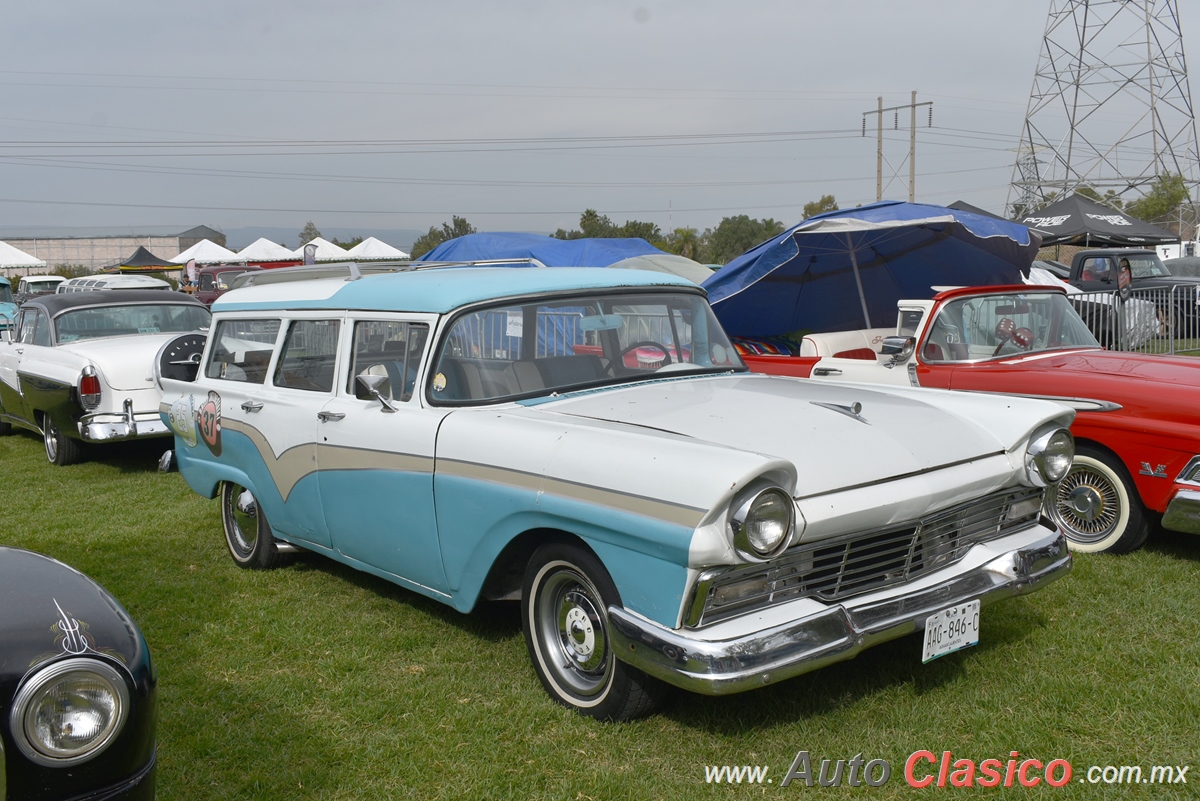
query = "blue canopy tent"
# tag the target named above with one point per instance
(548, 250)
(845, 270)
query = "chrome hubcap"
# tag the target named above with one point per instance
(243, 514)
(50, 435)
(1087, 505)
(571, 627)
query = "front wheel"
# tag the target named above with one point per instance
(563, 614)
(247, 532)
(61, 450)
(1098, 507)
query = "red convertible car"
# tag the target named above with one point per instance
(1137, 428)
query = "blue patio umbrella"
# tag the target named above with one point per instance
(845, 270)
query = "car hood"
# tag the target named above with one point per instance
(53, 611)
(896, 431)
(126, 363)
(1128, 371)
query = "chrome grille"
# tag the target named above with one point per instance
(842, 567)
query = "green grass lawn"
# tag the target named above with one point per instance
(315, 681)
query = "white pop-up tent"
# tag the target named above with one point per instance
(208, 252)
(372, 249)
(12, 257)
(263, 249)
(326, 251)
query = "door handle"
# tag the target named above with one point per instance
(19, 350)
(827, 371)
(251, 406)
(329, 417)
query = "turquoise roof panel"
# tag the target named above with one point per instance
(436, 291)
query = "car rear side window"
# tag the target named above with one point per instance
(242, 350)
(309, 356)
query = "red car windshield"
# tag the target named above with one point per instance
(992, 326)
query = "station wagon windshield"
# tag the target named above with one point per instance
(993, 326)
(117, 321)
(536, 348)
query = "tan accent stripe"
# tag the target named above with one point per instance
(295, 463)
(688, 516)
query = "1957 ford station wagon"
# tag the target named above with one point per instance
(589, 442)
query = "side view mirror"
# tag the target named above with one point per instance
(899, 348)
(373, 384)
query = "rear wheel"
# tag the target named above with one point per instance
(60, 449)
(5, 428)
(564, 615)
(247, 532)
(1097, 505)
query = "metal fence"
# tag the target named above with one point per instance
(1156, 320)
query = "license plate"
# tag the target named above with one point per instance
(951, 630)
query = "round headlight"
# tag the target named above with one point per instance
(69, 712)
(762, 524)
(1049, 456)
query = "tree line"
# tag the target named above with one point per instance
(732, 237)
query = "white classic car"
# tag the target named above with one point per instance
(587, 441)
(79, 368)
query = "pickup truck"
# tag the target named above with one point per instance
(1176, 296)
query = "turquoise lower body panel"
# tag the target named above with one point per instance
(300, 517)
(645, 557)
(385, 519)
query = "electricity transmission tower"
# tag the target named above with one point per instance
(1110, 107)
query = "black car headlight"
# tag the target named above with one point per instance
(69, 712)
(761, 525)
(1049, 456)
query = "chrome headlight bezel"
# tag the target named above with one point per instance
(1044, 456)
(748, 511)
(23, 718)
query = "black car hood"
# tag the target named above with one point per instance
(52, 611)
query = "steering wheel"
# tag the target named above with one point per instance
(620, 357)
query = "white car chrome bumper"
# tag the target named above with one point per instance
(127, 424)
(719, 667)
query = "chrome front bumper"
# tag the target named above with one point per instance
(127, 424)
(722, 667)
(1183, 512)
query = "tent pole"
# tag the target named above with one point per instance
(862, 296)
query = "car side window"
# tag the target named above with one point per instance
(35, 329)
(25, 335)
(388, 348)
(242, 350)
(309, 355)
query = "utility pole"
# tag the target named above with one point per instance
(912, 141)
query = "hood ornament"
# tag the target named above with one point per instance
(852, 411)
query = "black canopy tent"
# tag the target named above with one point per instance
(142, 261)
(1076, 220)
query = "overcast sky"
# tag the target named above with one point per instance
(516, 115)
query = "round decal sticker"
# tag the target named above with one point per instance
(182, 419)
(208, 416)
(439, 382)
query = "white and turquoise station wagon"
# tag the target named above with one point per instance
(587, 441)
